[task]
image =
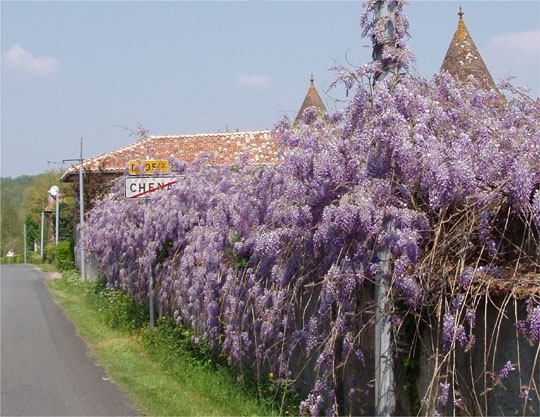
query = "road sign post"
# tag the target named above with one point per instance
(142, 183)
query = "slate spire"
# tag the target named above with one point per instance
(312, 100)
(463, 59)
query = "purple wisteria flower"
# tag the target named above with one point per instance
(525, 394)
(444, 392)
(278, 261)
(448, 328)
(530, 327)
(452, 332)
(466, 277)
(498, 377)
(536, 207)
(411, 290)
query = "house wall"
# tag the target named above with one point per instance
(91, 263)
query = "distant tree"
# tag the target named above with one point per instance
(23, 199)
(66, 222)
(10, 228)
(33, 230)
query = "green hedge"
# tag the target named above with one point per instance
(16, 259)
(64, 256)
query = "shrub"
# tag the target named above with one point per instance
(116, 308)
(64, 256)
(49, 253)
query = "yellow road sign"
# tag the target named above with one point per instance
(148, 167)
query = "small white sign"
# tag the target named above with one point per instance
(143, 187)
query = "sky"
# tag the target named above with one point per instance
(100, 70)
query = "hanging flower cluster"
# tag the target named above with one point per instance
(276, 265)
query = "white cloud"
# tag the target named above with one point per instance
(20, 60)
(253, 81)
(515, 54)
(526, 44)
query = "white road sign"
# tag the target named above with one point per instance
(143, 187)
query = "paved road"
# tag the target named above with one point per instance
(45, 366)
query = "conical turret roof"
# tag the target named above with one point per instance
(312, 100)
(463, 59)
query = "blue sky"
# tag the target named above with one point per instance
(97, 70)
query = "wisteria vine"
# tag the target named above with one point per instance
(276, 266)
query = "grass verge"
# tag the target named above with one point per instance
(158, 369)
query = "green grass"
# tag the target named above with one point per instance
(157, 368)
(47, 268)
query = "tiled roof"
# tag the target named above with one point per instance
(463, 59)
(312, 100)
(226, 148)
